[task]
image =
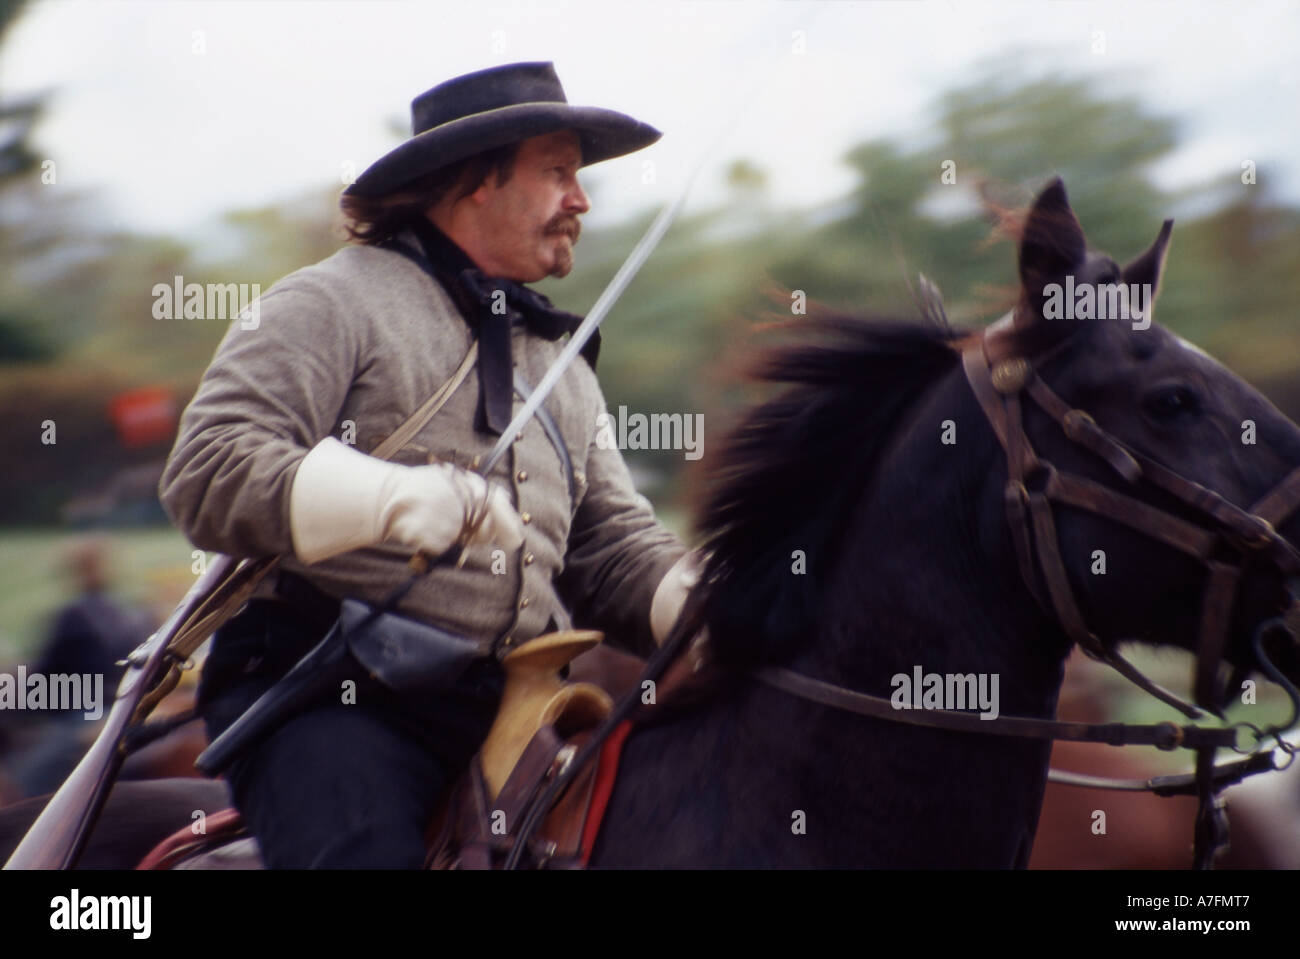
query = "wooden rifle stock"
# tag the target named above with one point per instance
(59, 834)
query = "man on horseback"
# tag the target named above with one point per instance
(271, 459)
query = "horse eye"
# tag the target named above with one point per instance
(1171, 402)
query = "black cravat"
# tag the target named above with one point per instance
(490, 305)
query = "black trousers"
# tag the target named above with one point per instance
(340, 785)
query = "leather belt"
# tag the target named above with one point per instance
(307, 600)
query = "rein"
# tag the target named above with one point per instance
(1002, 381)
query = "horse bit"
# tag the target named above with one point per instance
(1001, 379)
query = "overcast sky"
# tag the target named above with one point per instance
(179, 110)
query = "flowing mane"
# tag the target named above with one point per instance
(785, 476)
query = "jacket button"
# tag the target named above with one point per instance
(525, 518)
(522, 476)
(580, 478)
(508, 641)
(523, 603)
(528, 559)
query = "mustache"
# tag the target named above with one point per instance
(566, 224)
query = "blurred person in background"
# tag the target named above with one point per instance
(88, 637)
(95, 630)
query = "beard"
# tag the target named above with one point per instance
(567, 226)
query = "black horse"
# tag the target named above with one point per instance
(908, 561)
(858, 530)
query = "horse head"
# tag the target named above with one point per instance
(1203, 462)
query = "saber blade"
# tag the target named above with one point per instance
(640, 253)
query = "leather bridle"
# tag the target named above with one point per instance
(1223, 540)
(1000, 378)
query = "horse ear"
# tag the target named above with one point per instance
(1146, 269)
(1051, 246)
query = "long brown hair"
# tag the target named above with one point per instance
(373, 219)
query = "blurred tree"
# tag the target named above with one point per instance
(16, 120)
(276, 240)
(16, 116)
(75, 304)
(20, 341)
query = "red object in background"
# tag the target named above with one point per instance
(144, 416)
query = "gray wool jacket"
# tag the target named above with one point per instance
(349, 347)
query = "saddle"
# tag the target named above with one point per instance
(541, 724)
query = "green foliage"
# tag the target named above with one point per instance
(16, 116)
(19, 343)
(72, 301)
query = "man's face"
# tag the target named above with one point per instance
(529, 224)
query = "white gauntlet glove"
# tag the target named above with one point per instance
(343, 499)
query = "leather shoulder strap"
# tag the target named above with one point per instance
(416, 421)
(521, 387)
(553, 433)
(232, 592)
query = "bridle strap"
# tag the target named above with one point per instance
(1033, 484)
(1222, 584)
(1084, 494)
(1081, 428)
(1031, 522)
(1053, 569)
(1249, 528)
(1216, 614)
(1161, 735)
(1077, 491)
(1178, 784)
(1281, 502)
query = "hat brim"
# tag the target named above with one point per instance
(604, 134)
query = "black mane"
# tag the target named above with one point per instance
(786, 476)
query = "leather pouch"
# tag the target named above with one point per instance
(404, 654)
